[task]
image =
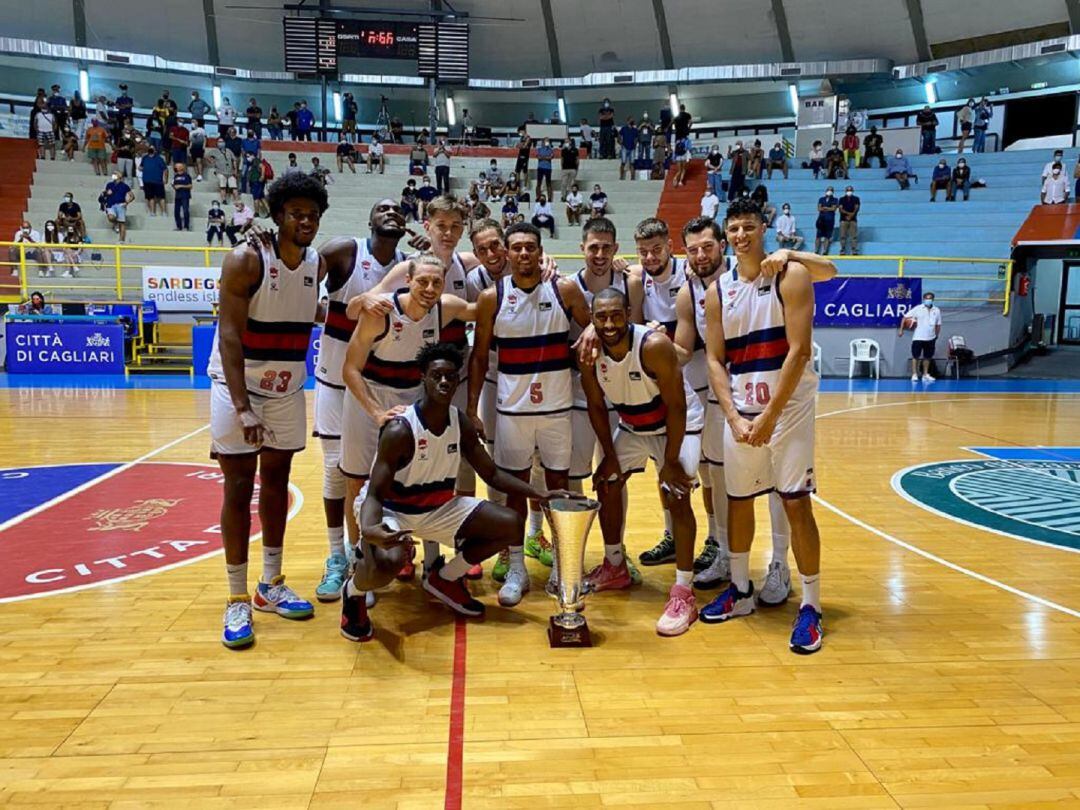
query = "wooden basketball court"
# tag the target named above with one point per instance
(948, 677)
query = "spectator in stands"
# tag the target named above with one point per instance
(739, 158)
(710, 203)
(60, 256)
(682, 160)
(545, 152)
(418, 160)
(899, 168)
(442, 167)
(965, 117)
(198, 148)
(254, 117)
(172, 114)
(124, 105)
(154, 175)
(568, 162)
(160, 117)
(850, 145)
(927, 121)
(925, 323)
(682, 124)
(941, 179)
(777, 160)
(521, 164)
(586, 137)
(241, 221)
(628, 135)
(226, 115)
(58, 106)
(125, 151)
(32, 250)
(375, 156)
(598, 203)
(181, 185)
(961, 179)
(35, 306)
(95, 145)
(835, 165)
(645, 138)
(873, 147)
(305, 122)
(476, 210)
(760, 195)
(817, 159)
(45, 127)
(291, 117)
(320, 172)
(480, 187)
(425, 194)
(786, 234)
(826, 221)
(226, 169)
(575, 205)
(607, 132)
(198, 106)
(293, 167)
(155, 132)
(117, 195)
(349, 110)
(984, 111)
(259, 173)
(1055, 189)
(1059, 157)
(346, 156)
(509, 210)
(410, 201)
(215, 224)
(274, 125)
(660, 154)
(756, 160)
(179, 140)
(542, 215)
(69, 216)
(849, 222)
(714, 170)
(69, 143)
(78, 115)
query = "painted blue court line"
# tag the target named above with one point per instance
(1029, 453)
(23, 488)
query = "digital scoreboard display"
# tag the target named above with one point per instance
(377, 40)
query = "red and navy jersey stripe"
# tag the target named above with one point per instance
(763, 350)
(454, 332)
(645, 417)
(669, 328)
(534, 354)
(338, 324)
(286, 341)
(420, 498)
(391, 373)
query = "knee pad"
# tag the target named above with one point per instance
(333, 478)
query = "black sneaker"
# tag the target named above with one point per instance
(662, 552)
(707, 555)
(355, 624)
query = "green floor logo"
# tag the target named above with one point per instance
(1027, 499)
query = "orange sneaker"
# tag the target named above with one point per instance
(408, 570)
(608, 577)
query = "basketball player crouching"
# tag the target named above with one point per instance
(411, 492)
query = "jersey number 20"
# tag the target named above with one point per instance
(757, 393)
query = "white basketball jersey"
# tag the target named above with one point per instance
(532, 339)
(427, 481)
(281, 313)
(697, 370)
(660, 296)
(755, 341)
(392, 359)
(366, 274)
(634, 394)
(616, 280)
(454, 332)
(476, 281)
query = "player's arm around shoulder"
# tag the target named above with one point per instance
(456, 309)
(574, 301)
(374, 300)
(337, 254)
(797, 290)
(635, 289)
(478, 361)
(661, 360)
(685, 329)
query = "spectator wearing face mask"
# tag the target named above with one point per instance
(410, 201)
(849, 222)
(97, 137)
(965, 118)
(241, 220)
(198, 106)
(575, 205)
(850, 145)
(899, 169)
(568, 162)
(826, 221)
(1055, 189)
(226, 115)
(1059, 158)
(28, 236)
(215, 224)
(961, 179)
(925, 323)
(254, 117)
(628, 136)
(198, 148)
(69, 216)
(873, 147)
(607, 130)
(817, 159)
(786, 234)
(941, 179)
(305, 122)
(542, 215)
(154, 175)
(714, 170)
(928, 122)
(835, 165)
(375, 156)
(740, 160)
(544, 155)
(984, 111)
(181, 197)
(710, 203)
(777, 160)
(117, 195)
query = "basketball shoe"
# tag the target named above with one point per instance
(729, 604)
(806, 631)
(502, 565)
(679, 613)
(515, 586)
(238, 632)
(277, 597)
(718, 572)
(452, 593)
(337, 569)
(355, 624)
(408, 570)
(539, 548)
(777, 586)
(608, 577)
(707, 555)
(662, 552)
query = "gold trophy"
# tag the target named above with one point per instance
(570, 521)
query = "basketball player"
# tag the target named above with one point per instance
(528, 321)
(353, 266)
(759, 338)
(660, 417)
(268, 303)
(412, 492)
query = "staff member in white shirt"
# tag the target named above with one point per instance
(786, 235)
(1055, 188)
(925, 321)
(710, 204)
(542, 215)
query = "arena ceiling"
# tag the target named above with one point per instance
(512, 38)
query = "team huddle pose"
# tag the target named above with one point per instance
(700, 365)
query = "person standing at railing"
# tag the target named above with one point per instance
(58, 106)
(1055, 189)
(826, 221)
(849, 222)
(928, 122)
(254, 117)
(273, 124)
(965, 116)
(78, 115)
(984, 111)
(226, 115)
(198, 106)
(180, 139)
(714, 171)
(124, 106)
(305, 122)
(181, 197)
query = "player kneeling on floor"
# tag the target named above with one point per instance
(660, 417)
(411, 493)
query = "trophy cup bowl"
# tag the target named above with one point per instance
(570, 520)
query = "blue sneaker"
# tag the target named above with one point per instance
(238, 632)
(279, 598)
(337, 568)
(806, 631)
(730, 604)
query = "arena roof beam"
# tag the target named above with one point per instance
(212, 52)
(78, 13)
(553, 42)
(918, 30)
(1073, 7)
(665, 37)
(787, 53)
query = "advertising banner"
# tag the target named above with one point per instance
(863, 302)
(181, 289)
(64, 348)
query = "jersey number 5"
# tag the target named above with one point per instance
(536, 393)
(282, 378)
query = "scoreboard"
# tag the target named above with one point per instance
(377, 40)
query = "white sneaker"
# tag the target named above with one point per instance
(718, 572)
(914, 378)
(777, 586)
(926, 378)
(369, 599)
(198, 178)
(515, 586)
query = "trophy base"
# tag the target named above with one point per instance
(559, 636)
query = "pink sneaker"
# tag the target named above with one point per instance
(679, 613)
(607, 577)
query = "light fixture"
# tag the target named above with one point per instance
(562, 109)
(337, 106)
(793, 94)
(451, 113)
(217, 96)
(931, 93)
(84, 84)
(674, 102)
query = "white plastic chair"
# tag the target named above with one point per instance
(816, 359)
(864, 350)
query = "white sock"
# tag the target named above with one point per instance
(536, 521)
(456, 568)
(613, 553)
(713, 530)
(667, 523)
(237, 575)
(684, 578)
(811, 590)
(740, 570)
(517, 556)
(351, 590)
(271, 563)
(336, 536)
(781, 529)
(431, 552)
(780, 545)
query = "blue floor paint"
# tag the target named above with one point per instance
(1071, 454)
(23, 488)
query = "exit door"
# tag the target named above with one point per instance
(1069, 311)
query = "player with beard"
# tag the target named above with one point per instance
(353, 266)
(705, 244)
(269, 301)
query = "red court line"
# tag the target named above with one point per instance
(457, 720)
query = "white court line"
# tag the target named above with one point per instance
(63, 496)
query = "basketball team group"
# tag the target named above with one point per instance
(700, 364)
